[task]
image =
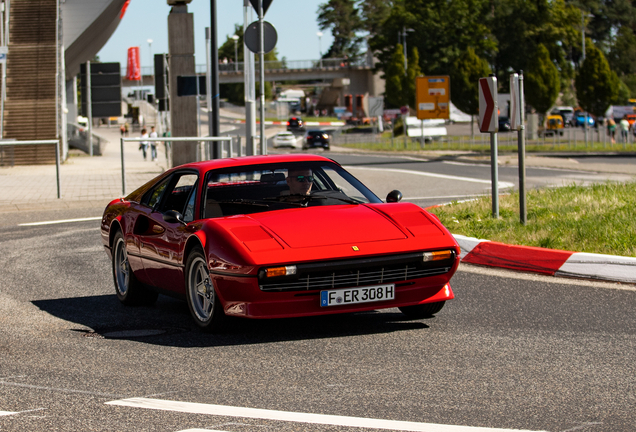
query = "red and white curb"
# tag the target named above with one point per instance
(284, 123)
(547, 261)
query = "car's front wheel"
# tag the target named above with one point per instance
(426, 310)
(204, 304)
(128, 289)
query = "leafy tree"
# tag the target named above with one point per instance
(622, 54)
(394, 95)
(234, 92)
(440, 30)
(541, 80)
(464, 81)
(374, 14)
(413, 70)
(464, 78)
(341, 16)
(596, 85)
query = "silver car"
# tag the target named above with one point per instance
(285, 139)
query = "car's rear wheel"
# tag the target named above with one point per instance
(129, 290)
(204, 304)
(426, 310)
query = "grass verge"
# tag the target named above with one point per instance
(595, 219)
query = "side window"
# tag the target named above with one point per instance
(178, 196)
(188, 215)
(154, 196)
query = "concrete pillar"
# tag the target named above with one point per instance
(183, 110)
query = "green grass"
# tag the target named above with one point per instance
(507, 143)
(595, 219)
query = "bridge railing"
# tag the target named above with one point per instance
(230, 66)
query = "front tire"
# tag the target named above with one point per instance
(205, 306)
(426, 310)
(129, 290)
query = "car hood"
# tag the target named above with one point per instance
(332, 232)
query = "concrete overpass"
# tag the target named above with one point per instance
(346, 78)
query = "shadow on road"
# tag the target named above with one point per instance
(168, 323)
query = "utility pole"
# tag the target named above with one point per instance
(214, 91)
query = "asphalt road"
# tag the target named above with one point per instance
(512, 351)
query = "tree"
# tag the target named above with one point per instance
(464, 79)
(541, 80)
(413, 70)
(235, 92)
(394, 80)
(374, 14)
(596, 85)
(341, 16)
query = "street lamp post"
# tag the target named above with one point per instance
(319, 34)
(152, 69)
(403, 34)
(236, 38)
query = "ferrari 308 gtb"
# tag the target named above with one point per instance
(276, 236)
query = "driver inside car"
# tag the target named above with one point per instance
(300, 181)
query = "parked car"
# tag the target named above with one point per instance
(504, 124)
(230, 238)
(295, 124)
(579, 119)
(316, 138)
(567, 113)
(285, 139)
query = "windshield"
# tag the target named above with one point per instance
(259, 188)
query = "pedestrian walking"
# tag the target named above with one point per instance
(153, 144)
(143, 145)
(624, 125)
(611, 129)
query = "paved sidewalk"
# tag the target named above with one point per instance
(84, 181)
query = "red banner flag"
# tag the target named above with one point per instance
(133, 72)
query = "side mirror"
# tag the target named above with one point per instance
(173, 216)
(394, 196)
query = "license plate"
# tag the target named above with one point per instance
(357, 295)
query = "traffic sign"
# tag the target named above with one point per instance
(488, 111)
(404, 109)
(252, 37)
(266, 4)
(515, 102)
(432, 97)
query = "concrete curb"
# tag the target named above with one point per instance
(547, 261)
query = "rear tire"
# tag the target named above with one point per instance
(203, 302)
(129, 290)
(426, 310)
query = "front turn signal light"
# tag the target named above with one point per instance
(280, 271)
(437, 255)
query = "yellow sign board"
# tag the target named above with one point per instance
(432, 97)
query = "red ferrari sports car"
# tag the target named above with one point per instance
(275, 236)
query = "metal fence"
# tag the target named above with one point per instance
(56, 143)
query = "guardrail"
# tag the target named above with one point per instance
(169, 141)
(42, 142)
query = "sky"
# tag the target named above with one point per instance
(294, 20)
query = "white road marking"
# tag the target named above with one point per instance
(4, 413)
(324, 419)
(502, 184)
(61, 221)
